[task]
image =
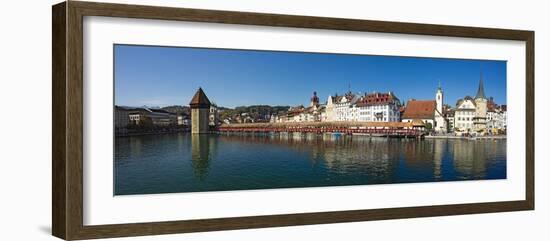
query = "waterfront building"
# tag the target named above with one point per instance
(183, 119)
(160, 117)
(315, 111)
(295, 114)
(136, 118)
(245, 118)
(200, 112)
(377, 107)
(503, 111)
(341, 107)
(420, 110)
(323, 113)
(329, 110)
(151, 116)
(430, 112)
(496, 117)
(213, 115)
(121, 116)
(450, 118)
(471, 113)
(374, 107)
(140, 117)
(464, 115)
(272, 119)
(145, 116)
(177, 109)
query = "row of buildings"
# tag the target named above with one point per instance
(478, 115)
(145, 117)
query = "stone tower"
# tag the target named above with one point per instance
(480, 118)
(200, 111)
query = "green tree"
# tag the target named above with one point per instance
(428, 126)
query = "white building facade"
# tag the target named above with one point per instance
(377, 107)
(342, 108)
(496, 118)
(464, 115)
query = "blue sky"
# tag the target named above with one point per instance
(162, 76)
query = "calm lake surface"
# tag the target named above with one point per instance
(193, 163)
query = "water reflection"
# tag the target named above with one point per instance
(188, 163)
(200, 155)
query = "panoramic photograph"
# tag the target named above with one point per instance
(190, 119)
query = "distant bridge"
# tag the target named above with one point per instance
(388, 129)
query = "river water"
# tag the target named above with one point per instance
(219, 162)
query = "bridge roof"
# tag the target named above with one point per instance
(321, 124)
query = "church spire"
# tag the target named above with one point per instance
(480, 90)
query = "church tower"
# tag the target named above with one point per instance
(200, 111)
(439, 98)
(314, 99)
(480, 119)
(440, 122)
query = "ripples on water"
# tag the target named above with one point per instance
(190, 163)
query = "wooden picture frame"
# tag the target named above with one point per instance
(67, 124)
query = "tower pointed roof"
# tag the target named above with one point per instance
(314, 99)
(480, 91)
(200, 100)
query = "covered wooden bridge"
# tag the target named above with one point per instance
(393, 129)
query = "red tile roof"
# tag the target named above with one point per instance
(419, 109)
(377, 99)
